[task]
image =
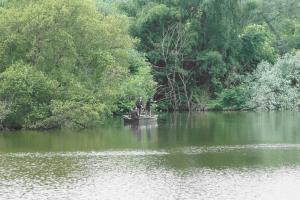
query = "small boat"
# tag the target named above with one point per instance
(141, 119)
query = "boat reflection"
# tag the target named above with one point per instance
(139, 129)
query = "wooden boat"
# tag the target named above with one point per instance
(141, 119)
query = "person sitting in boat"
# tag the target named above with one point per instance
(134, 113)
(148, 106)
(139, 105)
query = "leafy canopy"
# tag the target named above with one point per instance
(64, 63)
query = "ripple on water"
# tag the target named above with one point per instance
(142, 175)
(183, 150)
(86, 154)
(228, 148)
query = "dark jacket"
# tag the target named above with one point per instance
(134, 114)
(148, 104)
(139, 103)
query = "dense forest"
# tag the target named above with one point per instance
(72, 63)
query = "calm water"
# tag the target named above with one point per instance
(196, 156)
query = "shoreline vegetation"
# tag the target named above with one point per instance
(72, 64)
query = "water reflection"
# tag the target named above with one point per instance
(139, 130)
(229, 128)
(136, 130)
(185, 156)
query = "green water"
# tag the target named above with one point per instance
(234, 155)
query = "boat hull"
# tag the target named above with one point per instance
(141, 120)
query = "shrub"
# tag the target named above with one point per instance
(235, 98)
(276, 87)
(29, 92)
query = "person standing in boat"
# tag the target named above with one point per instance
(134, 113)
(139, 105)
(148, 106)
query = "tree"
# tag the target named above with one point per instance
(256, 46)
(188, 44)
(72, 51)
(279, 17)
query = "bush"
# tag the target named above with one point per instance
(276, 87)
(29, 92)
(235, 98)
(73, 114)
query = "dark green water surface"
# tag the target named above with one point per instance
(237, 155)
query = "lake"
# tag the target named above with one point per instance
(234, 155)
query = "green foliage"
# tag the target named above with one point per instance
(191, 44)
(72, 113)
(107, 7)
(213, 65)
(139, 84)
(4, 112)
(153, 17)
(269, 87)
(203, 45)
(220, 26)
(74, 63)
(276, 87)
(294, 38)
(256, 46)
(235, 98)
(65, 64)
(29, 92)
(279, 17)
